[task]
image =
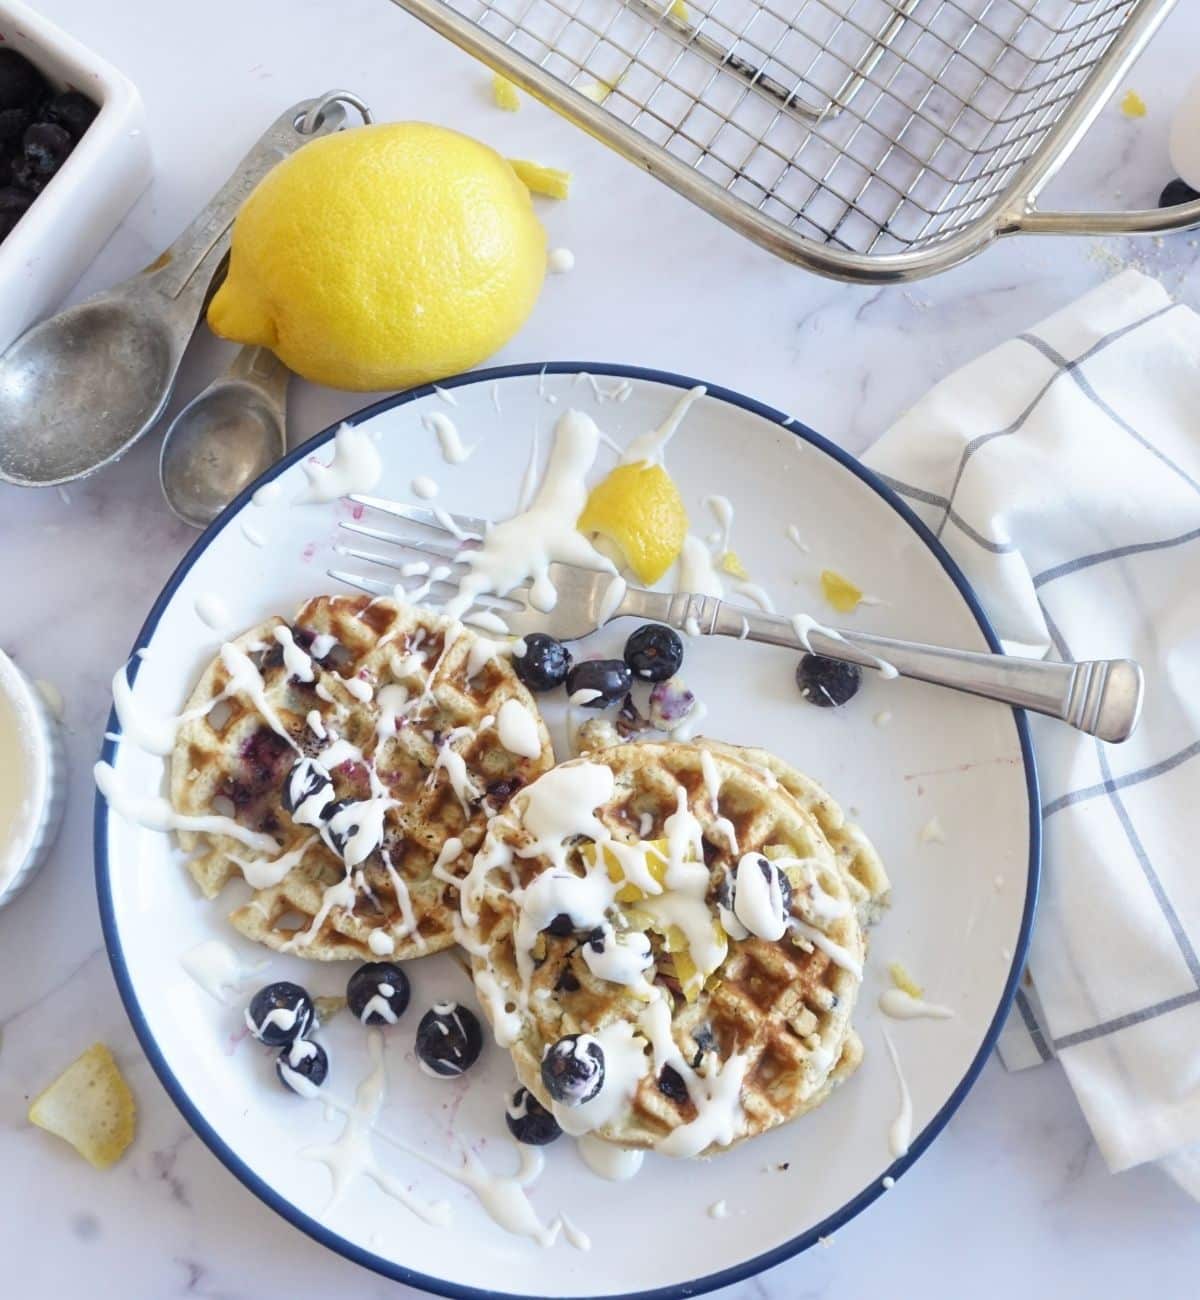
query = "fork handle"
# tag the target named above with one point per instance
(1102, 697)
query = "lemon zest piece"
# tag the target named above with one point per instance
(904, 981)
(504, 93)
(732, 564)
(679, 11)
(840, 592)
(551, 182)
(1133, 105)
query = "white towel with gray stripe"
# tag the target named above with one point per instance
(1062, 472)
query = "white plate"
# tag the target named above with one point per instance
(959, 920)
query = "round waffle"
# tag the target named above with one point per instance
(738, 1036)
(402, 703)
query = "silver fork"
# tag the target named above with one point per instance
(1102, 697)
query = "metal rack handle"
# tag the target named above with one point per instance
(1138, 221)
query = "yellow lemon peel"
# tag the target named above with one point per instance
(904, 981)
(550, 182)
(639, 509)
(1133, 105)
(840, 592)
(90, 1106)
(732, 564)
(505, 94)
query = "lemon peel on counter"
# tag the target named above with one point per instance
(550, 182)
(505, 94)
(90, 1106)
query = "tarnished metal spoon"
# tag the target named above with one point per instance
(225, 437)
(81, 388)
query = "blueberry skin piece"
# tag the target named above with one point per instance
(545, 663)
(449, 1040)
(827, 683)
(654, 652)
(280, 1013)
(1176, 191)
(529, 1121)
(306, 1059)
(611, 677)
(364, 985)
(573, 1069)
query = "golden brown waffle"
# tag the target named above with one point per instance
(866, 878)
(230, 760)
(782, 1007)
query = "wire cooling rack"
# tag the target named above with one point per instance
(867, 139)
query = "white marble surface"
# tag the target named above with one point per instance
(1013, 1198)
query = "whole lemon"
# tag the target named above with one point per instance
(383, 257)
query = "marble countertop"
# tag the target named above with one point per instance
(1013, 1198)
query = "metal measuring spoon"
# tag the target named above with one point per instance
(81, 388)
(225, 437)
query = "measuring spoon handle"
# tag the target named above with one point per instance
(186, 269)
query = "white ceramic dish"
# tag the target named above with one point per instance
(72, 218)
(31, 744)
(960, 918)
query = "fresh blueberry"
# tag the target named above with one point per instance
(378, 993)
(449, 1040)
(545, 663)
(21, 84)
(72, 111)
(45, 148)
(607, 681)
(302, 1066)
(827, 682)
(280, 1013)
(13, 203)
(338, 836)
(573, 1069)
(13, 122)
(654, 652)
(1176, 191)
(671, 1084)
(727, 898)
(306, 779)
(561, 926)
(529, 1121)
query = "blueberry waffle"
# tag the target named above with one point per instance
(666, 942)
(362, 737)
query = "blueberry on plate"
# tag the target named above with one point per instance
(561, 926)
(280, 1013)
(449, 1040)
(573, 1069)
(604, 682)
(827, 682)
(1176, 191)
(654, 652)
(529, 1121)
(545, 663)
(302, 1067)
(378, 993)
(757, 915)
(307, 780)
(672, 1086)
(336, 828)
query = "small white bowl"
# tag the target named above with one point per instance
(33, 780)
(71, 220)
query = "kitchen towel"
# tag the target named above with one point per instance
(1062, 472)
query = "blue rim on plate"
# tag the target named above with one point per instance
(313, 1227)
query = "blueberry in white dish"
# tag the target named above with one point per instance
(827, 683)
(573, 1069)
(603, 682)
(302, 1067)
(378, 993)
(449, 1040)
(654, 652)
(1177, 191)
(529, 1121)
(544, 663)
(280, 1013)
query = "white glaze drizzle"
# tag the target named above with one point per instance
(901, 1005)
(354, 467)
(900, 1132)
(449, 440)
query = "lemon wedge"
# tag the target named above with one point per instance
(639, 509)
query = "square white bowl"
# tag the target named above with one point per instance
(73, 217)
